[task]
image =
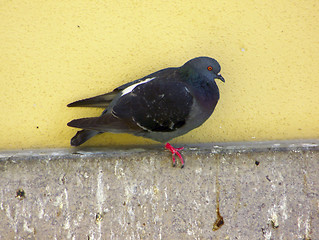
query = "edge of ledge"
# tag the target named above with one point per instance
(222, 147)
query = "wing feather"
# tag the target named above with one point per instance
(101, 101)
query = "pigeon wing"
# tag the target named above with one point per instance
(103, 100)
(158, 105)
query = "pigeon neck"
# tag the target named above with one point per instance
(204, 87)
(189, 74)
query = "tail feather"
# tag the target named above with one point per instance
(105, 123)
(82, 136)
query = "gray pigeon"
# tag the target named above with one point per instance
(161, 106)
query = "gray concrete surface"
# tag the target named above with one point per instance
(264, 191)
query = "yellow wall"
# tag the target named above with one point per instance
(55, 52)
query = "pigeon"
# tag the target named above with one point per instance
(160, 106)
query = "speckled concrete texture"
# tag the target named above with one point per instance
(263, 191)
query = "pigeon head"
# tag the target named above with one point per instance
(206, 66)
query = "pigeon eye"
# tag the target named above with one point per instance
(209, 68)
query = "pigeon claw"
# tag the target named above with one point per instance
(175, 151)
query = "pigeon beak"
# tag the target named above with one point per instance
(220, 77)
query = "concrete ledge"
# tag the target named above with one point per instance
(266, 190)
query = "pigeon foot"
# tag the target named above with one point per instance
(175, 151)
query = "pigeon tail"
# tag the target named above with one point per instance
(82, 136)
(105, 123)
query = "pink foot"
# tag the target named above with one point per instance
(175, 151)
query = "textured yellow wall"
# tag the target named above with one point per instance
(55, 52)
